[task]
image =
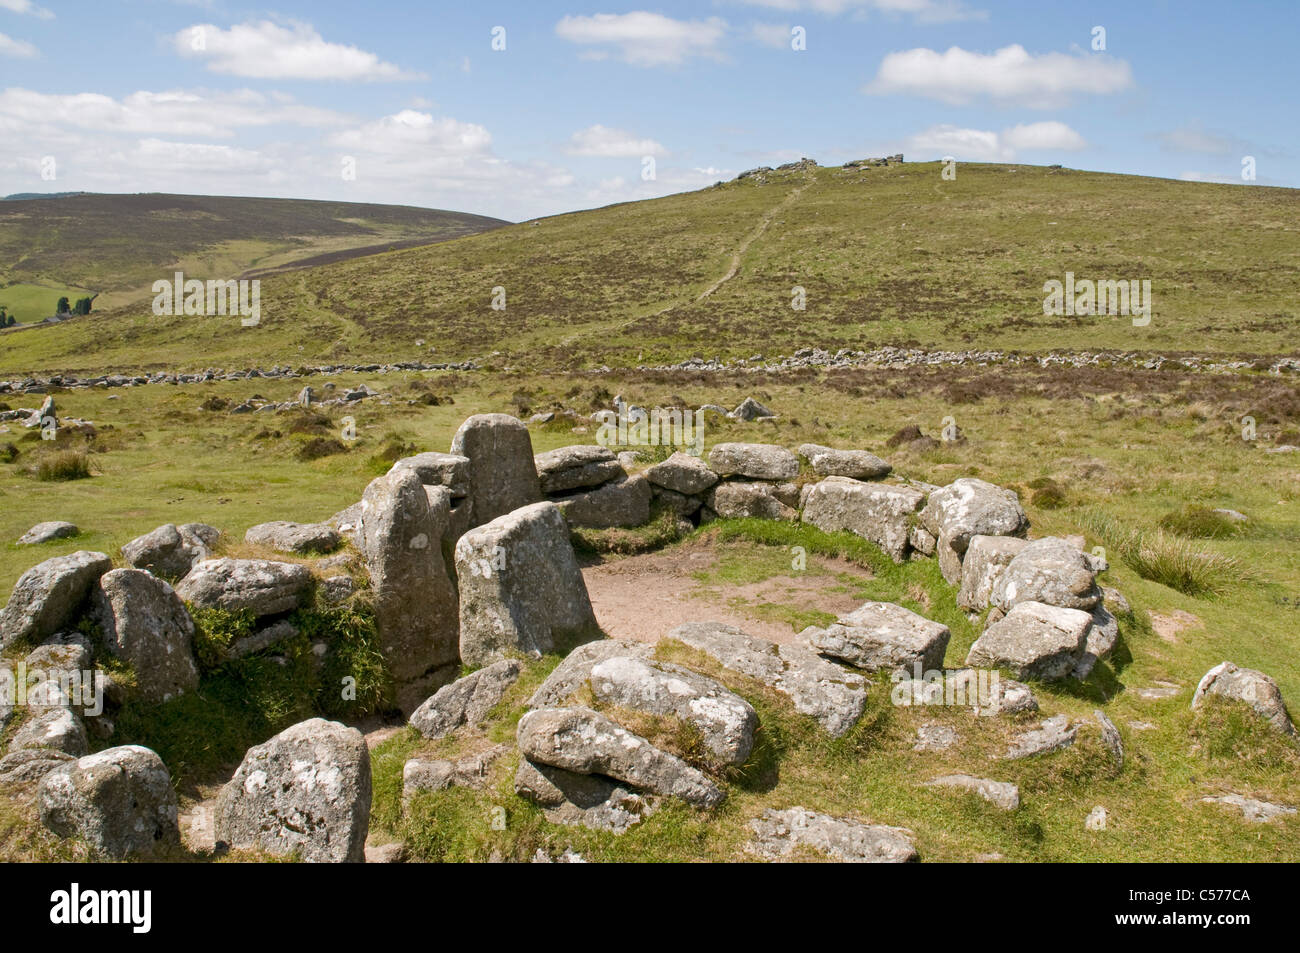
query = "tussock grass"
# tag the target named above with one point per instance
(64, 465)
(1167, 559)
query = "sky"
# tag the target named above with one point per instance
(536, 107)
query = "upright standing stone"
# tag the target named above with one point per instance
(521, 590)
(415, 603)
(502, 476)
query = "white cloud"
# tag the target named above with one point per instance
(1195, 139)
(20, 48)
(983, 145)
(161, 155)
(923, 11)
(266, 50)
(1010, 75)
(1043, 135)
(644, 39)
(775, 35)
(175, 112)
(410, 131)
(26, 6)
(605, 142)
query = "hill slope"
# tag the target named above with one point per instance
(118, 245)
(891, 255)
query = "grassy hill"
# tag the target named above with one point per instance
(118, 245)
(892, 255)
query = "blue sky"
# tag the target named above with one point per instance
(412, 100)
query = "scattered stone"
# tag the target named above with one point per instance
(57, 728)
(1115, 601)
(570, 856)
(878, 512)
(1255, 811)
(439, 469)
(45, 532)
(677, 503)
(520, 587)
(466, 701)
(881, 635)
(750, 409)
(1096, 819)
(502, 477)
(1141, 726)
(1050, 571)
(725, 721)
(415, 601)
(171, 551)
(585, 742)
(336, 590)
(967, 508)
(1034, 641)
(623, 502)
(145, 624)
(31, 764)
(262, 639)
(1100, 641)
(470, 772)
(985, 559)
(48, 596)
(392, 853)
(932, 737)
(263, 586)
(1247, 685)
(301, 538)
(593, 801)
(682, 473)
(854, 464)
(816, 687)
(1111, 738)
(305, 791)
(780, 834)
(749, 500)
(754, 461)
(119, 801)
(576, 468)
(922, 541)
(1001, 794)
(1052, 734)
(1158, 690)
(572, 673)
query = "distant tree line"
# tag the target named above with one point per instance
(81, 307)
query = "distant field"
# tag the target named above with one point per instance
(890, 255)
(119, 245)
(28, 302)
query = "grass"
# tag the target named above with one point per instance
(887, 256)
(1169, 560)
(1201, 522)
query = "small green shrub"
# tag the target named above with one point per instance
(1201, 522)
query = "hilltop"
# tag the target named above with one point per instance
(116, 246)
(891, 255)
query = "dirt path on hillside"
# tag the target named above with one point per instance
(757, 233)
